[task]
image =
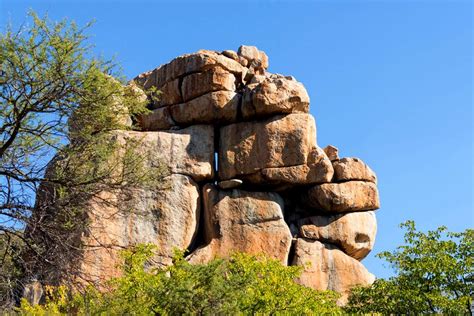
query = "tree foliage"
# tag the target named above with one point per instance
(47, 78)
(434, 274)
(243, 284)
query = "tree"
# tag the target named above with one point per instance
(243, 284)
(47, 77)
(435, 274)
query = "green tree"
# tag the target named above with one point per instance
(434, 274)
(243, 284)
(47, 78)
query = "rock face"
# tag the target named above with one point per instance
(250, 222)
(239, 141)
(328, 268)
(354, 233)
(165, 217)
(349, 196)
(189, 151)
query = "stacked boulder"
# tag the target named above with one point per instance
(246, 174)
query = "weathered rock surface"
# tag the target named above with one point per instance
(332, 152)
(343, 197)
(275, 96)
(281, 141)
(187, 64)
(170, 93)
(210, 80)
(241, 221)
(165, 217)
(159, 119)
(218, 106)
(347, 169)
(188, 151)
(328, 268)
(227, 106)
(253, 55)
(353, 233)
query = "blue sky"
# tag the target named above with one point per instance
(390, 82)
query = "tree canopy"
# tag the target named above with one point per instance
(56, 100)
(434, 274)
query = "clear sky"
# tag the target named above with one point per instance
(390, 82)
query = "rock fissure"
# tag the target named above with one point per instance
(245, 167)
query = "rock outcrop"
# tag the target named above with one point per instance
(242, 158)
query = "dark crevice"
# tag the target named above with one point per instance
(199, 238)
(260, 221)
(291, 253)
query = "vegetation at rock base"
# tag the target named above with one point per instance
(434, 274)
(47, 76)
(243, 284)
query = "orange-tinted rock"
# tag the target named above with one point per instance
(214, 79)
(353, 233)
(169, 93)
(343, 197)
(187, 64)
(347, 169)
(275, 96)
(189, 151)
(166, 218)
(218, 107)
(332, 152)
(280, 141)
(253, 55)
(159, 119)
(328, 268)
(241, 221)
(318, 169)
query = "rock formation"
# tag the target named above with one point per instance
(246, 174)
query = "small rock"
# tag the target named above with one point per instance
(244, 62)
(231, 54)
(249, 52)
(332, 152)
(347, 169)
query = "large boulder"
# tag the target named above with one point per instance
(166, 217)
(213, 79)
(354, 233)
(241, 221)
(278, 95)
(158, 119)
(188, 151)
(347, 169)
(219, 107)
(349, 196)
(318, 169)
(188, 64)
(325, 267)
(281, 141)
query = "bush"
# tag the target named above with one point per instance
(242, 284)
